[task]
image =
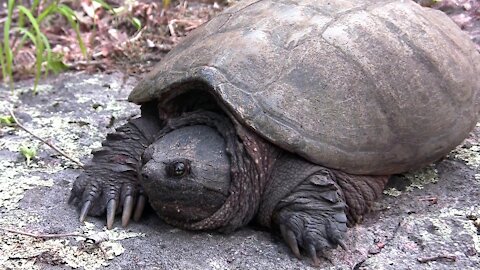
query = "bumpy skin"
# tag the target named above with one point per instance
(312, 205)
(309, 204)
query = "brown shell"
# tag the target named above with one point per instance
(367, 87)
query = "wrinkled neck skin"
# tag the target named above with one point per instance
(256, 159)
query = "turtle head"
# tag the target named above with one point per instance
(186, 174)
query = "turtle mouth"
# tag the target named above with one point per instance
(185, 203)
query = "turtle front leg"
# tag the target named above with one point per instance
(109, 182)
(308, 204)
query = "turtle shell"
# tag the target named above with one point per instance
(366, 87)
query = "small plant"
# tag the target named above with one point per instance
(27, 26)
(28, 152)
(122, 11)
(7, 120)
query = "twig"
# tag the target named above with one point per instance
(41, 235)
(136, 37)
(190, 25)
(172, 29)
(42, 140)
(431, 200)
(447, 257)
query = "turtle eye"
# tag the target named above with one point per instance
(178, 168)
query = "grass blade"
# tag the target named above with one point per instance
(68, 13)
(166, 3)
(7, 51)
(51, 8)
(28, 34)
(105, 5)
(30, 17)
(39, 44)
(47, 47)
(2, 63)
(137, 23)
(38, 62)
(35, 5)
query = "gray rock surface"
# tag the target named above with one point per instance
(428, 219)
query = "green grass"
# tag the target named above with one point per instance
(27, 26)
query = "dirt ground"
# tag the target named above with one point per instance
(428, 219)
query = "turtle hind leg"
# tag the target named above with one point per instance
(313, 205)
(313, 216)
(109, 182)
(359, 192)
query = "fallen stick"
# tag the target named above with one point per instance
(40, 235)
(58, 150)
(447, 257)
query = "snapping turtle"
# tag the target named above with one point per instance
(289, 113)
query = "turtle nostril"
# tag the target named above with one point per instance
(145, 176)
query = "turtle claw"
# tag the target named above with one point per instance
(127, 210)
(109, 183)
(312, 218)
(100, 199)
(290, 238)
(98, 196)
(341, 243)
(111, 210)
(72, 198)
(85, 209)
(139, 207)
(312, 252)
(312, 236)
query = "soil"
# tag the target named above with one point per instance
(429, 219)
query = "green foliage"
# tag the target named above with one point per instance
(7, 120)
(104, 4)
(28, 152)
(136, 22)
(27, 27)
(46, 60)
(123, 10)
(6, 58)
